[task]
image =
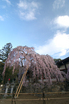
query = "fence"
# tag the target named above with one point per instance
(44, 98)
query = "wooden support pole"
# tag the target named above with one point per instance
(13, 99)
(44, 102)
(21, 83)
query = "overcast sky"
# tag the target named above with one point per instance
(42, 24)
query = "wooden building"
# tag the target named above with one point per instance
(63, 64)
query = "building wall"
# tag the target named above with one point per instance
(62, 68)
(67, 65)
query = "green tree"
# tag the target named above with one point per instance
(4, 52)
(9, 75)
(57, 60)
(1, 70)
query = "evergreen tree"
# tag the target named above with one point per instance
(4, 52)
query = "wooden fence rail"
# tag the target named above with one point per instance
(38, 93)
(35, 99)
(43, 98)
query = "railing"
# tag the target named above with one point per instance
(45, 97)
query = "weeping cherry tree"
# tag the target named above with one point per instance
(40, 66)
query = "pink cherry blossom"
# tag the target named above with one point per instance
(42, 66)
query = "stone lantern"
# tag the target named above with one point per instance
(7, 87)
